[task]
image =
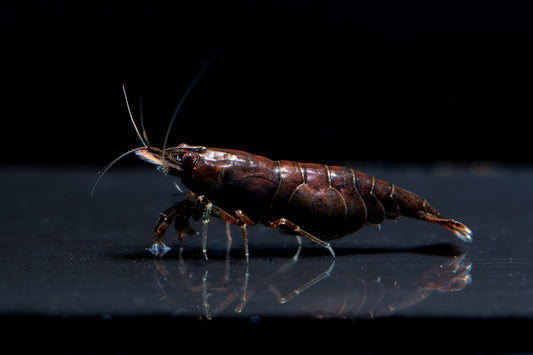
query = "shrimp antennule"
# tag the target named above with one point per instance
(132, 120)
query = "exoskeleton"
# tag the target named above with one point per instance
(316, 201)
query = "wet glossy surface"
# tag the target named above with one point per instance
(68, 254)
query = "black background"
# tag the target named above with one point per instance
(307, 80)
(301, 79)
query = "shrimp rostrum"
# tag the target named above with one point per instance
(315, 201)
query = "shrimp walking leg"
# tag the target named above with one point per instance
(180, 214)
(297, 229)
(205, 222)
(241, 220)
(165, 219)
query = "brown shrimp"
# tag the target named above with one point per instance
(316, 201)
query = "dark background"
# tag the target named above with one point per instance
(392, 81)
(308, 80)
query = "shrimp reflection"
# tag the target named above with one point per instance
(352, 286)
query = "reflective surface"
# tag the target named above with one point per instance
(67, 254)
(357, 285)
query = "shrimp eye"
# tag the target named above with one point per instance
(189, 158)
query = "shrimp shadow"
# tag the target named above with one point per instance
(439, 249)
(264, 252)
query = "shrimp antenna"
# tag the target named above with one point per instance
(131, 117)
(145, 136)
(187, 92)
(110, 164)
